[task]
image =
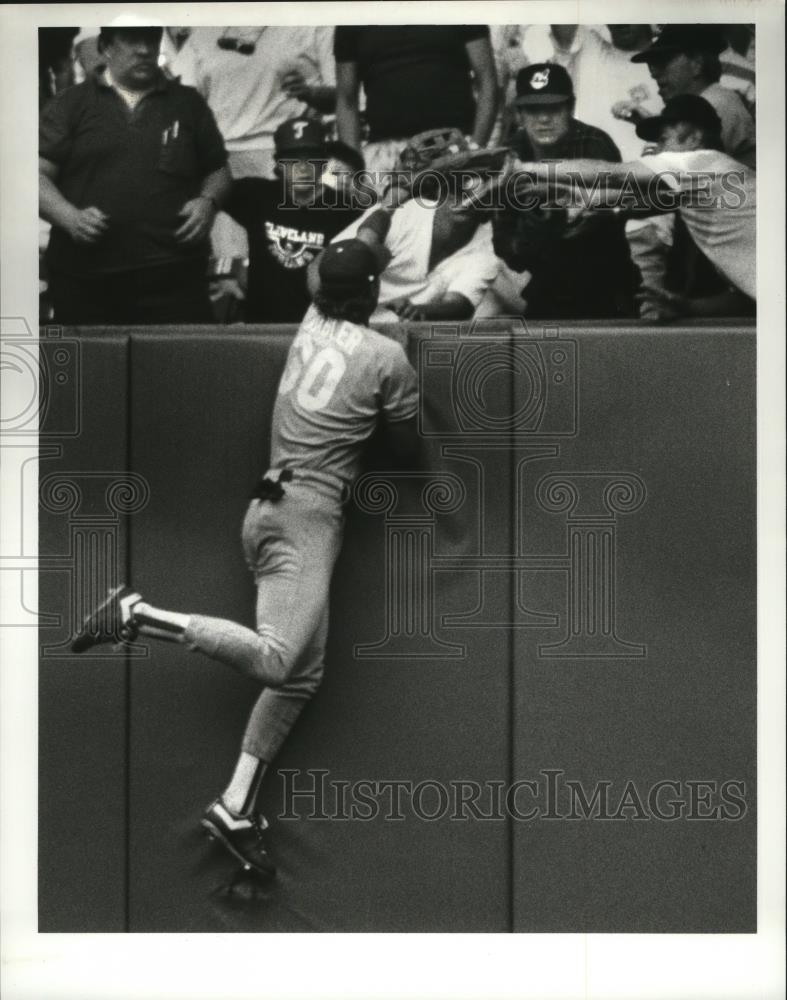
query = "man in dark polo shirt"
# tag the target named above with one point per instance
(132, 170)
(580, 267)
(289, 221)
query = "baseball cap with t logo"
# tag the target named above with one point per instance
(300, 138)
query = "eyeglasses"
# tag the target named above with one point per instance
(236, 43)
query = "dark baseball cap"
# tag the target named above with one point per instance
(690, 108)
(675, 38)
(300, 138)
(347, 267)
(543, 83)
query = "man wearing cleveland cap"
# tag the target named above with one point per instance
(340, 380)
(713, 194)
(684, 59)
(579, 268)
(288, 222)
(544, 108)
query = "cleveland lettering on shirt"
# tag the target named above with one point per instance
(293, 247)
(283, 240)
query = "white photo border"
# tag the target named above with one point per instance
(543, 966)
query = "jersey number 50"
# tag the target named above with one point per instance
(316, 375)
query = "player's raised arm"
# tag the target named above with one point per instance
(373, 232)
(617, 174)
(404, 442)
(591, 184)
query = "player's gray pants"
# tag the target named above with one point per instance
(291, 546)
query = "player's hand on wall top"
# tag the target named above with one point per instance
(405, 309)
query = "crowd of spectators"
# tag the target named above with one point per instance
(193, 175)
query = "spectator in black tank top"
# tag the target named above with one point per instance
(415, 78)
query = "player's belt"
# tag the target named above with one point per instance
(270, 487)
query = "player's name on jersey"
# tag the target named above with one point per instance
(346, 336)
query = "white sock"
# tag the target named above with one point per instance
(158, 624)
(239, 796)
(233, 822)
(127, 605)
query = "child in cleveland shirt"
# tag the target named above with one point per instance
(288, 221)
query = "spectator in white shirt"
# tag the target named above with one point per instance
(714, 195)
(684, 59)
(255, 78)
(441, 256)
(738, 71)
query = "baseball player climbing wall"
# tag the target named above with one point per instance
(539, 700)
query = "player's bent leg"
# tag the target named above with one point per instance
(233, 821)
(123, 615)
(277, 709)
(263, 655)
(273, 716)
(270, 722)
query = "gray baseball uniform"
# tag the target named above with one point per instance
(338, 380)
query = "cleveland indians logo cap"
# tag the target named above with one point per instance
(543, 83)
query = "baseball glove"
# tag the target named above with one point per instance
(426, 148)
(445, 152)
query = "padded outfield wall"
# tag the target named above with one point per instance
(539, 709)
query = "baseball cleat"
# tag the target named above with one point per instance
(111, 621)
(242, 836)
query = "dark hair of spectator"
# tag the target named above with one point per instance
(738, 36)
(354, 310)
(711, 66)
(352, 157)
(711, 139)
(55, 66)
